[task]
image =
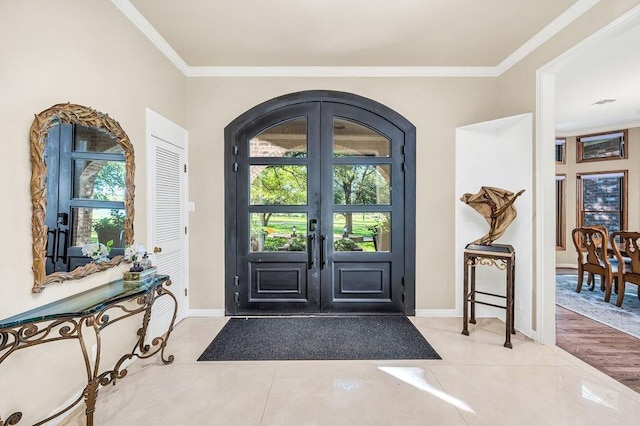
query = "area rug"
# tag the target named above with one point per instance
(591, 304)
(319, 338)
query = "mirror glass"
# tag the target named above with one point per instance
(82, 192)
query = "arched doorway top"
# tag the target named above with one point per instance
(333, 96)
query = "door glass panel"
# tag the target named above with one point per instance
(278, 232)
(93, 139)
(278, 185)
(361, 184)
(288, 139)
(362, 231)
(99, 180)
(97, 225)
(351, 139)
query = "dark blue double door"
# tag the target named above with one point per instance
(316, 192)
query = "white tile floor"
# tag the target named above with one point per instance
(477, 382)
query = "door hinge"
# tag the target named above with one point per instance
(185, 168)
(235, 150)
(235, 167)
(236, 281)
(185, 292)
(403, 166)
(403, 151)
(237, 298)
(185, 229)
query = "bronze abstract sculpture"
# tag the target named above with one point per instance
(496, 206)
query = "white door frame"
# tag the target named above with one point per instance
(164, 129)
(545, 178)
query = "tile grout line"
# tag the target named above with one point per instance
(594, 372)
(264, 410)
(444, 390)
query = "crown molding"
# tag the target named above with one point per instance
(130, 11)
(553, 28)
(361, 71)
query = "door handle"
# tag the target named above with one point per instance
(53, 242)
(322, 249)
(310, 239)
(65, 246)
(157, 249)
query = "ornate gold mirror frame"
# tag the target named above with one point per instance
(43, 122)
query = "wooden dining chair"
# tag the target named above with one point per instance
(591, 243)
(626, 248)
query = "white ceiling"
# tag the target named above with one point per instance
(609, 68)
(348, 32)
(397, 38)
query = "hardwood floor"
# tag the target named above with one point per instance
(613, 352)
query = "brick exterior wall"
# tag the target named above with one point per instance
(89, 140)
(603, 195)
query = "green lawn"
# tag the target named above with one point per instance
(281, 224)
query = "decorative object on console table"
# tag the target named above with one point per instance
(496, 206)
(76, 316)
(137, 276)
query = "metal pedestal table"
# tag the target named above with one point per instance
(502, 256)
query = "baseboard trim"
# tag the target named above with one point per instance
(567, 265)
(205, 313)
(439, 313)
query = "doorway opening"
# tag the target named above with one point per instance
(320, 207)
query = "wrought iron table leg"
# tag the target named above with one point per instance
(473, 291)
(465, 291)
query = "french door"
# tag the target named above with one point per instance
(316, 212)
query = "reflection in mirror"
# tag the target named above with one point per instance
(82, 191)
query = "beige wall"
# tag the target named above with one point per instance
(568, 257)
(517, 86)
(517, 94)
(80, 52)
(436, 106)
(83, 52)
(89, 53)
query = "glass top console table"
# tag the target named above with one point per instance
(90, 312)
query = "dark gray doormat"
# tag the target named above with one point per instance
(318, 338)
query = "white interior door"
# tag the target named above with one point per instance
(167, 211)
